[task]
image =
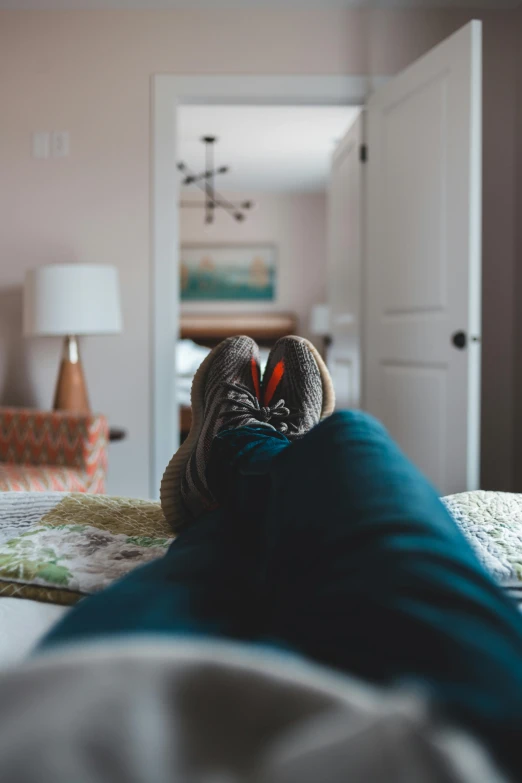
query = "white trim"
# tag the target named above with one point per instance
(475, 280)
(169, 91)
(164, 292)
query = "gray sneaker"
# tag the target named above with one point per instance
(225, 395)
(297, 379)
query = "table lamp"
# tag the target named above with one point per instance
(72, 300)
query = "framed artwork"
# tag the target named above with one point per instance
(220, 273)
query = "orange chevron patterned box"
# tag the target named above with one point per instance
(42, 451)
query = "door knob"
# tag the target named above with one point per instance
(459, 340)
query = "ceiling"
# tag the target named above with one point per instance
(245, 4)
(271, 148)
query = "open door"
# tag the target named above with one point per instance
(423, 260)
(345, 200)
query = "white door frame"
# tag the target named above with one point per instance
(168, 92)
(348, 324)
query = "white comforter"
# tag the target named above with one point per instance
(160, 712)
(22, 624)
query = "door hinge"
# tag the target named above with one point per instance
(363, 153)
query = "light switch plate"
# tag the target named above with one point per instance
(60, 144)
(41, 144)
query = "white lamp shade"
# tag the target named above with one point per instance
(72, 299)
(320, 320)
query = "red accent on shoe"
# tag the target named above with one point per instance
(211, 506)
(255, 377)
(274, 381)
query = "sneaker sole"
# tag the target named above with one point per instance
(174, 509)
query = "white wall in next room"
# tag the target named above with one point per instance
(295, 223)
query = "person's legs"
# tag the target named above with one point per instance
(202, 587)
(363, 569)
(355, 562)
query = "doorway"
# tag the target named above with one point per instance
(169, 93)
(253, 226)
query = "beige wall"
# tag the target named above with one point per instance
(296, 224)
(89, 73)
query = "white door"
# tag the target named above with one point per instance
(345, 200)
(423, 260)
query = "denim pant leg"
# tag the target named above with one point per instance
(361, 567)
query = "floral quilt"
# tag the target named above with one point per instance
(59, 547)
(492, 522)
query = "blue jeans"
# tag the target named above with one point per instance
(337, 548)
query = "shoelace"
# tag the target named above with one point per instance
(246, 403)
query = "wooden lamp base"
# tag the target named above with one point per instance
(71, 390)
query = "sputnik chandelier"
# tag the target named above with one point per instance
(205, 182)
